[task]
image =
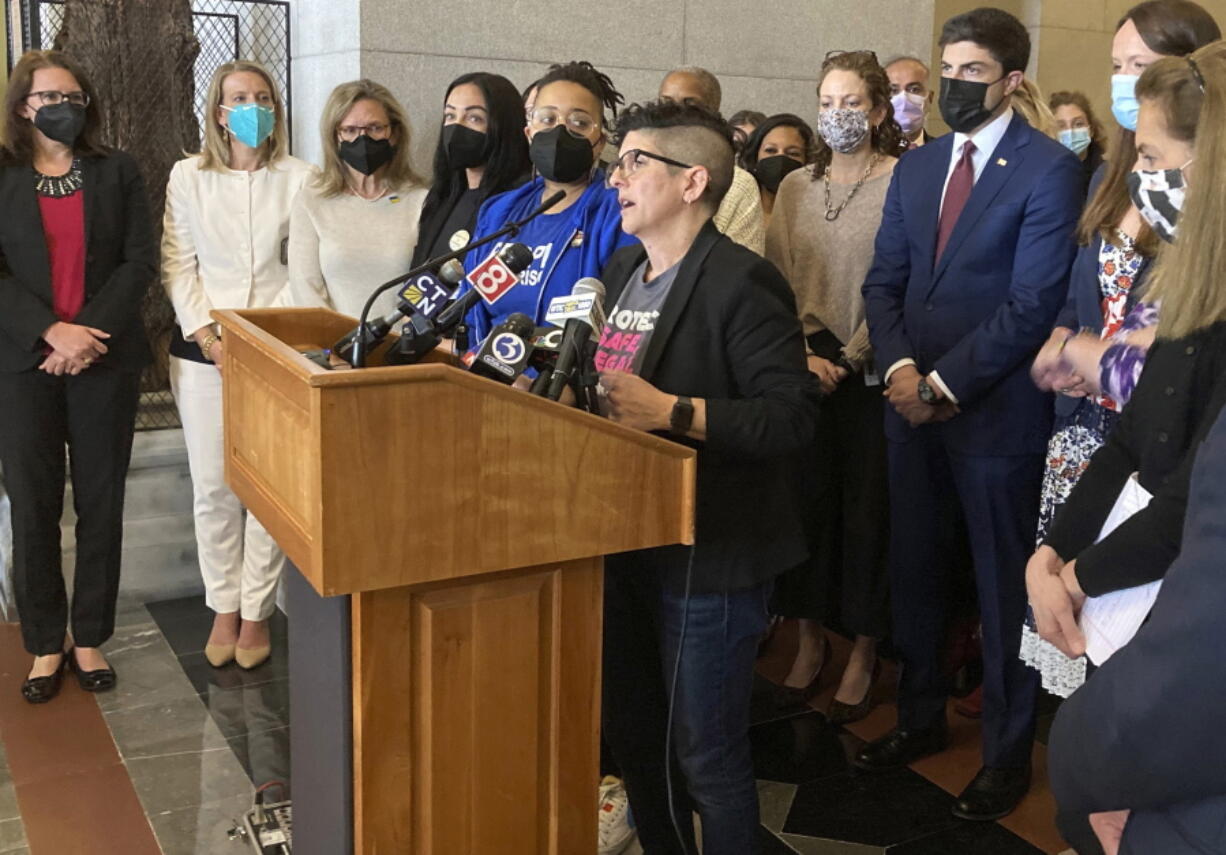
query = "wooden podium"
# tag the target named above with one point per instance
(452, 531)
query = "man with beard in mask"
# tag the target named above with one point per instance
(566, 132)
(911, 97)
(971, 267)
(740, 215)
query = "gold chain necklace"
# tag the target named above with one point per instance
(832, 214)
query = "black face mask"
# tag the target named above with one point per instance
(464, 147)
(61, 122)
(560, 156)
(962, 105)
(367, 155)
(772, 170)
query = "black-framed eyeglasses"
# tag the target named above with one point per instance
(630, 163)
(51, 97)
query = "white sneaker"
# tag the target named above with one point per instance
(614, 833)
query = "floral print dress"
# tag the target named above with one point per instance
(1077, 436)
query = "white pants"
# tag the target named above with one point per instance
(240, 562)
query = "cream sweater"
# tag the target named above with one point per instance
(826, 262)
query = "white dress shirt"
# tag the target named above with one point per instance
(986, 140)
(223, 237)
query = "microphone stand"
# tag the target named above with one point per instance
(512, 228)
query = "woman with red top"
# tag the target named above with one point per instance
(76, 256)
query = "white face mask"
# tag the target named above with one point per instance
(1075, 140)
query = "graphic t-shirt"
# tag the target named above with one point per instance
(629, 327)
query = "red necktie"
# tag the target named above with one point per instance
(961, 183)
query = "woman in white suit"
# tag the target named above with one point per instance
(224, 246)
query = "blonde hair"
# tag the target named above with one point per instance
(216, 151)
(1187, 274)
(1028, 100)
(332, 180)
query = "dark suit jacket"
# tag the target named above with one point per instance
(120, 262)
(979, 315)
(1145, 732)
(728, 332)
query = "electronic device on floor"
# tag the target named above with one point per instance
(268, 828)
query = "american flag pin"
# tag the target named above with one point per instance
(1000, 161)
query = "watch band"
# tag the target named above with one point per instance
(926, 393)
(682, 416)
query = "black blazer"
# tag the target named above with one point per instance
(728, 332)
(120, 262)
(1177, 400)
(1145, 732)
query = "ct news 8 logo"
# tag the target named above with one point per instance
(508, 347)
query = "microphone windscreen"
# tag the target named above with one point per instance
(516, 256)
(452, 272)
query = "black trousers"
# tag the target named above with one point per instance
(93, 415)
(845, 487)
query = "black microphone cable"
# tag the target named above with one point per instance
(672, 704)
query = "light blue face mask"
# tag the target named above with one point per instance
(1124, 104)
(251, 124)
(1075, 140)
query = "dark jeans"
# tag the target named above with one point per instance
(93, 415)
(712, 766)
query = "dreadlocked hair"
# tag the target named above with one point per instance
(585, 74)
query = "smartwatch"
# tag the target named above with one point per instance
(682, 416)
(926, 393)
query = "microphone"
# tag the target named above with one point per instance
(424, 293)
(546, 342)
(422, 333)
(504, 354)
(581, 314)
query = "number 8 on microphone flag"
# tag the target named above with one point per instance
(492, 279)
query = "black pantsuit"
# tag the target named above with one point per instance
(90, 415)
(846, 499)
(93, 415)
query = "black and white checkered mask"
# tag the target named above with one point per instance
(1158, 196)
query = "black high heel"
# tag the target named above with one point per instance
(100, 680)
(789, 696)
(39, 690)
(841, 713)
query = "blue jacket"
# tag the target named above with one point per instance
(595, 231)
(979, 315)
(1145, 732)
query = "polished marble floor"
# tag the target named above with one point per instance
(197, 741)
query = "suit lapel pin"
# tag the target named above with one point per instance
(1000, 161)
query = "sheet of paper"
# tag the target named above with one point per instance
(1110, 621)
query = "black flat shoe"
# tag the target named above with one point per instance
(840, 713)
(902, 747)
(787, 697)
(39, 690)
(101, 680)
(993, 793)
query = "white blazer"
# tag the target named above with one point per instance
(223, 237)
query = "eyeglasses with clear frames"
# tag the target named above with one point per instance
(375, 130)
(51, 97)
(634, 160)
(547, 118)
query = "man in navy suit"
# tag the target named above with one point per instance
(1140, 746)
(971, 268)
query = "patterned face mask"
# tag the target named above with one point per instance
(1158, 196)
(843, 128)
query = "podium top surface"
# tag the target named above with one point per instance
(404, 475)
